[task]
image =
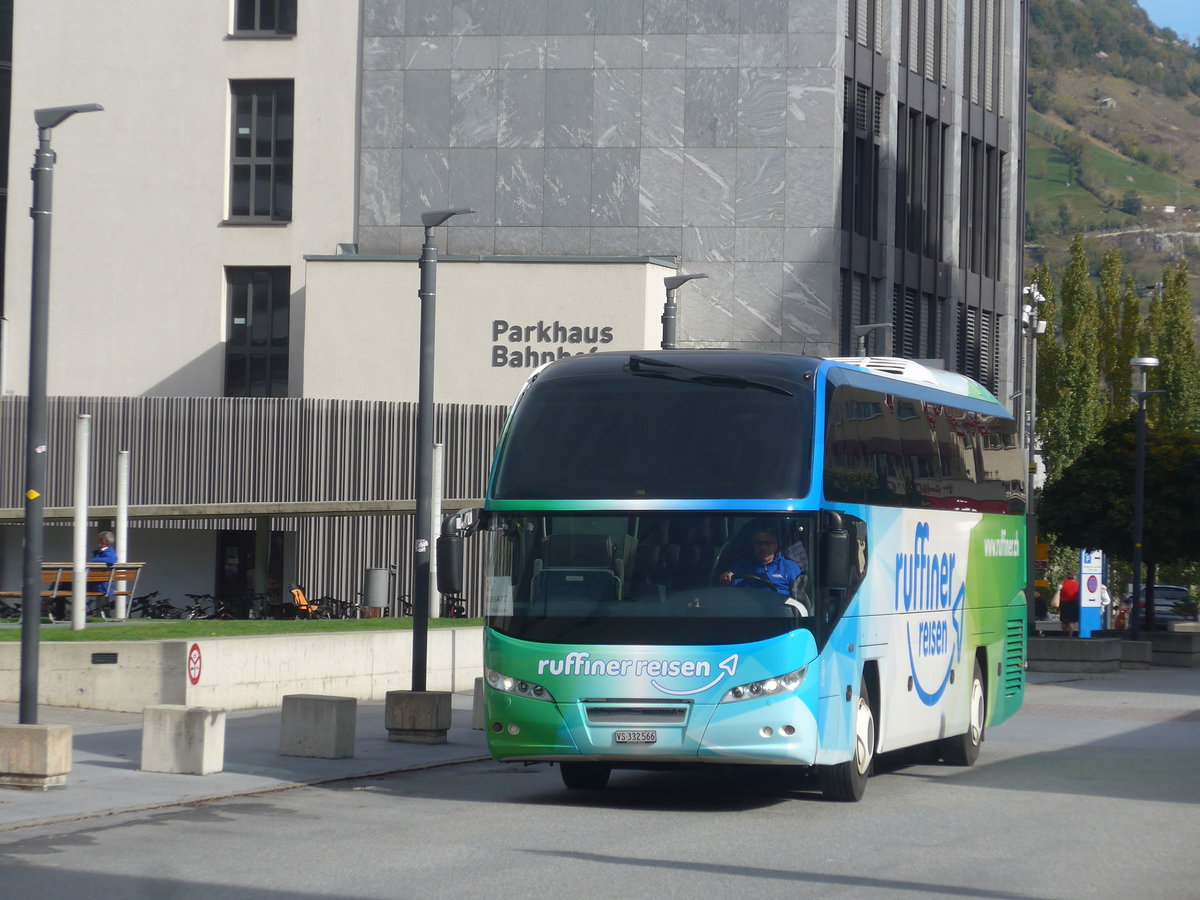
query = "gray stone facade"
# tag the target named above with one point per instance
(708, 130)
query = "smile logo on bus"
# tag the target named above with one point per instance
(931, 592)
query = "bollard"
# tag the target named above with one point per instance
(317, 726)
(183, 740)
(34, 756)
(477, 710)
(417, 717)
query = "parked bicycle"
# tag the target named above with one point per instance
(149, 606)
(198, 608)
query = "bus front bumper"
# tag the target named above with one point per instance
(770, 730)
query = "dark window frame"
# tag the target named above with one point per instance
(258, 331)
(269, 18)
(261, 150)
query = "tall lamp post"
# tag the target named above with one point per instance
(421, 538)
(36, 432)
(1143, 365)
(861, 332)
(1034, 327)
(670, 314)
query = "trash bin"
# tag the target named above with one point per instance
(375, 593)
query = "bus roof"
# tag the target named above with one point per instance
(787, 366)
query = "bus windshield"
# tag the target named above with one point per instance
(658, 430)
(653, 578)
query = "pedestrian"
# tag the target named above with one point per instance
(1067, 598)
(1107, 618)
(104, 553)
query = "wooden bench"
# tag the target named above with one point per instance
(58, 580)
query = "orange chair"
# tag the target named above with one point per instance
(305, 608)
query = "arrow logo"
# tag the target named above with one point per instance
(728, 666)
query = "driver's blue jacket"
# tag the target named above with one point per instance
(780, 572)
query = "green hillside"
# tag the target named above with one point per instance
(1113, 139)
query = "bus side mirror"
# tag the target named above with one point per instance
(835, 554)
(450, 564)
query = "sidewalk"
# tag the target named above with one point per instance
(107, 749)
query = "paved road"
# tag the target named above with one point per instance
(1090, 792)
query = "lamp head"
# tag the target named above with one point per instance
(675, 281)
(49, 117)
(1144, 362)
(436, 217)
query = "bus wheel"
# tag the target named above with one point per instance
(963, 749)
(583, 776)
(846, 782)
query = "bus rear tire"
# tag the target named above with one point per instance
(846, 782)
(963, 749)
(584, 776)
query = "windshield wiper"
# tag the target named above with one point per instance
(739, 381)
(637, 362)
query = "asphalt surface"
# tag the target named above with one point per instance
(105, 777)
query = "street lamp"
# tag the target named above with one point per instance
(1034, 326)
(861, 332)
(1142, 365)
(671, 310)
(36, 432)
(421, 538)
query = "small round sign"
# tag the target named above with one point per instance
(1092, 584)
(194, 664)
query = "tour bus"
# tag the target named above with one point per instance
(637, 617)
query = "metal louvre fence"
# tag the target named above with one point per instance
(200, 450)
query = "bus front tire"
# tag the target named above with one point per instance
(584, 776)
(963, 749)
(846, 782)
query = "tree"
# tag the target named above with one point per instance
(1090, 503)
(1071, 409)
(1110, 327)
(1173, 341)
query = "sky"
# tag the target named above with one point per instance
(1182, 16)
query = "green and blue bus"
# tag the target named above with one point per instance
(629, 623)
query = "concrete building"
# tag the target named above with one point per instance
(243, 218)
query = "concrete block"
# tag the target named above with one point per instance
(477, 707)
(1177, 649)
(1192, 627)
(34, 756)
(417, 717)
(318, 726)
(183, 740)
(1061, 654)
(1136, 654)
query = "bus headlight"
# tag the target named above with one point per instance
(768, 687)
(509, 685)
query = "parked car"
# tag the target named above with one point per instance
(1165, 598)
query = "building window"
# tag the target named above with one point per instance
(256, 345)
(264, 17)
(261, 152)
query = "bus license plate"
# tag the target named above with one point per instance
(635, 737)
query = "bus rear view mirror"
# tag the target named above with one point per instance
(450, 564)
(835, 554)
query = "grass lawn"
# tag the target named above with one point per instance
(167, 630)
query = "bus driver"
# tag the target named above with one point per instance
(768, 568)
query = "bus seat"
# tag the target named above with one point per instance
(588, 550)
